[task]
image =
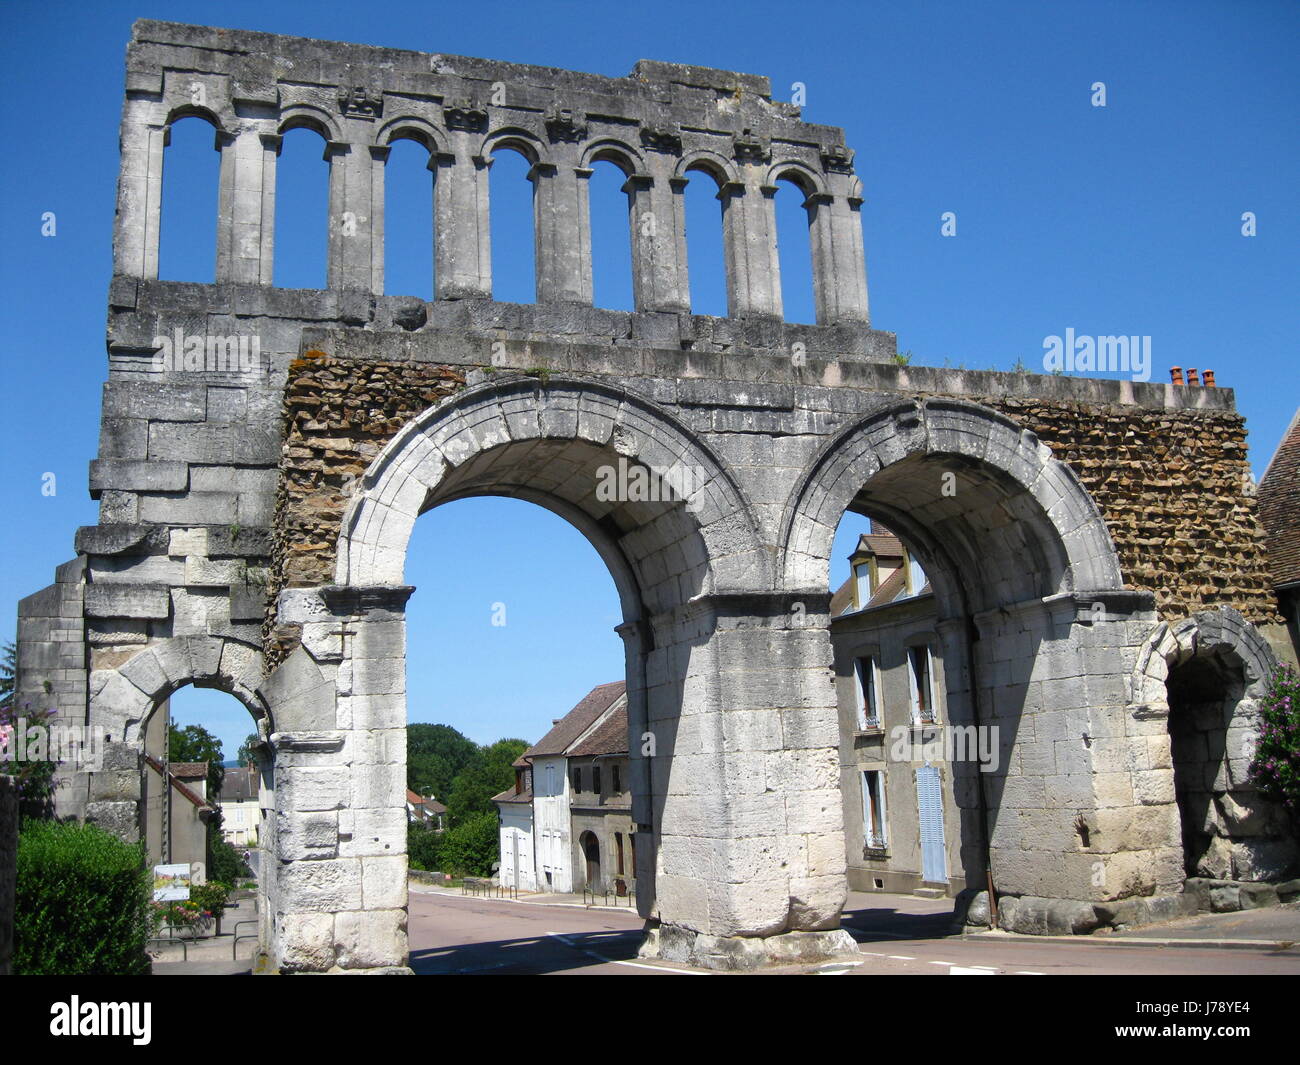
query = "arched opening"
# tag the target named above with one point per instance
(187, 249)
(706, 255)
(409, 251)
(512, 221)
(794, 250)
(611, 239)
(995, 640)
(1229, 831)
(302, 222)
(205, 806)
(590, 847)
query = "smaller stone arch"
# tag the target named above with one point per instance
(809, 181)
(1210, 631)
(122, 699)
(515, 138)
(716, 165)
(190, 110)
(308, 116)
(413, 128)
(612, 150)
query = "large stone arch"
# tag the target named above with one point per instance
(982, 450)
(474, 443)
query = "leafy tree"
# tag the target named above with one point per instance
(1275, 767)
(471, 848)
(34, 781)
(492, 772)
(435, 754)
(194, 743)
(225, 864)
(248, 749)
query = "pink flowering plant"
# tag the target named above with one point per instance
(1275, 768)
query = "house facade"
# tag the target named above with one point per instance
(174, 804)
(1279, 513)
(566, 825)
(901, 824)
(241, 807)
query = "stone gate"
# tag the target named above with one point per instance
(1083, 536)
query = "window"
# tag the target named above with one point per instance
(919, 673)
(863, 574)
(617, 782)
(865, 672)
(550, 780)
(577, 779)
(618, 849)
(595, 779)
(873, 810)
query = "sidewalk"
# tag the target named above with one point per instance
(213, 955)
(534, 898)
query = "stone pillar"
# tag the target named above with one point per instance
(657, 217)
(749, 228)
(463, 244)
(745, 784)
(355, 248)
(341, 789)
(562, 233)
(246, 216)
(139, 192)
(839, 262)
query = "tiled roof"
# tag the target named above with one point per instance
(189, 770)
(187, 793)
(239, 784)
(609, 737)
(1279, 507)
(573, 724)
(510, 795)
(882, 545)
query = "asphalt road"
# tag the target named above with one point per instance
(897, 935)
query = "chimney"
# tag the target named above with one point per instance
(1209, 378)
(1192, 379)
(1176, 374)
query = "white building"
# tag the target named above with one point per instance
(539, 848)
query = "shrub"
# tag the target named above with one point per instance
(1275, 768)
(211, 897)
(472, 847)
(82, 905)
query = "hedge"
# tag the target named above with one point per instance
(82, 902)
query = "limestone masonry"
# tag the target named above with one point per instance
(1089, 542)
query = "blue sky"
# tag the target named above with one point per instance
(1124, 219)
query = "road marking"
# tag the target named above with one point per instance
(1026, 972)
(901, 957)
(615, 961)
(969, 970)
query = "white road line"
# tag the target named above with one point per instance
(969, 970)
(614, 961)
(1026, 972)
(901, 957)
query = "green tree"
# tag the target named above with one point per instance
(435, 754)
(34, 781)
(491, 772)
(194, 743)
(248, 749)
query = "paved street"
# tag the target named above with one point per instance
(897, 934)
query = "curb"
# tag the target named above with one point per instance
(524, 902)
(1145, 941)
